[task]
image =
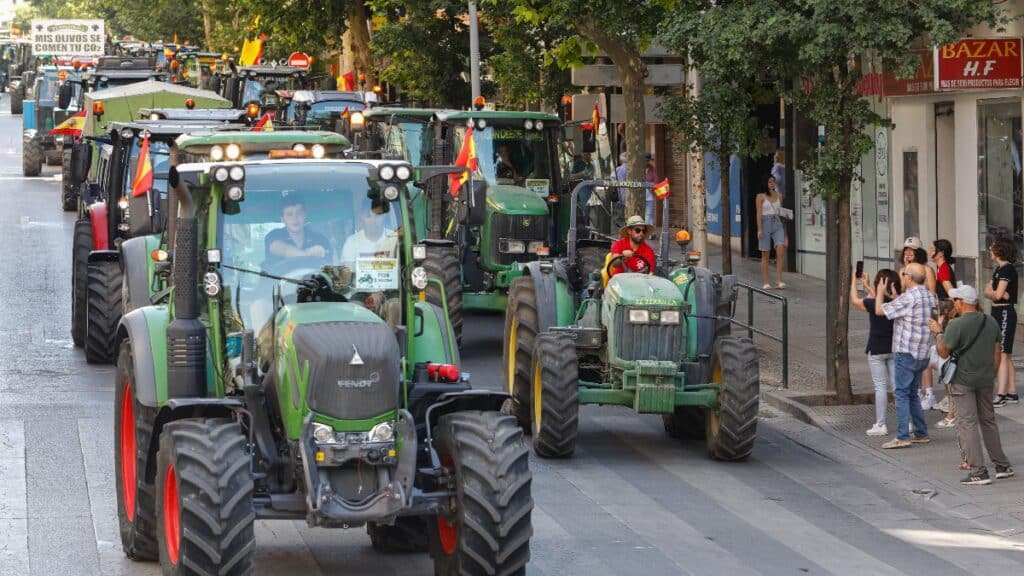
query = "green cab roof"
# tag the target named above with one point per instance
(251, 141)
(122, 103)
(449, 115)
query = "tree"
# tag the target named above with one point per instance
(822, 44)
(720, 117)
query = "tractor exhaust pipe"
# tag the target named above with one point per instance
(186, 336)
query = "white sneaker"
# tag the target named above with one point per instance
(928, 401)
(878, 430)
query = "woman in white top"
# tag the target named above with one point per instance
(771, 230)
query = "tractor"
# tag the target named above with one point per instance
(578, 333)
(258, 85)
(16, 70)
(324, 109)
(305, 387)
(506, 216)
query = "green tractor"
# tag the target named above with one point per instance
(506, 215)
(278, 385)
(658, 343)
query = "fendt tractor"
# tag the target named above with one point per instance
(508, 215)
(577, 333)
(298, 385)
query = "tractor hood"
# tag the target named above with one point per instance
(642, 290)
(509, 199)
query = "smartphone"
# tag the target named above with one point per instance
(935, 313)
(860, 269)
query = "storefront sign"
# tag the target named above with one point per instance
(979, 64)
(68, 37)
(922, 82)
(716, 213)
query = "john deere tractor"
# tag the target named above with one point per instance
(292, 384)
(577, 333)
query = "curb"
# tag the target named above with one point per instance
(944, 498)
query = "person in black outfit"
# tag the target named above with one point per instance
(295, 240)
(879, 348)
(1003, 294)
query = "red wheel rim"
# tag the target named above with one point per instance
(172, 515)
(447, 528)
(128, 450)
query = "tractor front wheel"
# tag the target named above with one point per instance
(487, 528)
(521, 322)
(685, 422)
(18, 101)
(68, 195)
(442, 264)
(205, 513)
(732, 429)
(103, 310)
(556, 402)
(80, 248)
(136, 497)
(407, 534)
(31, 158)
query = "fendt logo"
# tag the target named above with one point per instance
(354, 383)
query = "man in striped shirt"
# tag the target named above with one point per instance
(911, 341)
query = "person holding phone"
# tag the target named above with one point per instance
(1003, 293)
(879, 346)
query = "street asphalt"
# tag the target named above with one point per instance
(631, 501)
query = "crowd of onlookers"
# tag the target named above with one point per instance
(927, 331)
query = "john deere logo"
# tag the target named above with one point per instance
(526, 223)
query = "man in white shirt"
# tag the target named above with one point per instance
(372, 239)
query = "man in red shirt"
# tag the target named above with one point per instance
(634, 248)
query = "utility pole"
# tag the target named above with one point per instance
(474, 52)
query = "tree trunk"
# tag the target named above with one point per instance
(726, 211)
(208, 23)
(359, 25)
(838, 265)
(632, 72)
(698, 223)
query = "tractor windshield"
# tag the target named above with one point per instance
(304, 220)
(410, 141)
(254, 88)
(514, 156)
(46, 90)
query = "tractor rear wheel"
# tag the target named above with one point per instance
(685, 422)
(52, 158)
(31, 157)
(136, 497)
(732, 429)
(487, 528)
(68, 196)
(103, 310)
(408, 534)
(80, 248)
(205, 513)
(442, 263)
(556, 402)
(18, 101)
(521, 322)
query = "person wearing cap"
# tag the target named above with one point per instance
(637, 253)
(913, 251)
(974, 337)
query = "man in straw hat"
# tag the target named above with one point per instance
(637, 253)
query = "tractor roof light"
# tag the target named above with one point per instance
(98, 108)
(252, 110)
(479, 102)
(216, 153)
(386, 172)
(233, 152)
(300, 147)
(190, 103)
(319, 151)
(154, 116)
(481, 124)
(419, 252)
(358, 120)
(127, 133)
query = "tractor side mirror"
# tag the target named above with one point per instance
(80, 157)
(64, 96)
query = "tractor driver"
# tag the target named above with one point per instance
(295, 240)
(633, 243)
(373, 238)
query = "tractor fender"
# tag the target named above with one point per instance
(474, 399)
(546, 275)
(139, 326)
(701, 293)
(433, 339)
(104, 256)
(179, 408)
(98, 217)
(135, 266)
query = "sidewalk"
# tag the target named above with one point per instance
(932, 469)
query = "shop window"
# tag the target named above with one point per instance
(999, 171)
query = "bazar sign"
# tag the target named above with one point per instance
(979, 63)
(922, 82)
(68, 37)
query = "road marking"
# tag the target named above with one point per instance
(13, 499)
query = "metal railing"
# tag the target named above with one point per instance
(751, 329)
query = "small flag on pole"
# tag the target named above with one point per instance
(143, 171)
(70, 127)
(466, 159)
(661, 189)
(595, 118)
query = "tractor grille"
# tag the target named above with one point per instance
(647, 341)
(516, 228)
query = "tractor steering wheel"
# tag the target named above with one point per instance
(621, 258)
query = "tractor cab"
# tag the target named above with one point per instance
(324, 109)
(16, 70)
(259, 85)
(47, 110)
(114, 71)
(194, 68)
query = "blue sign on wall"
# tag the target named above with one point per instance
(714, 194)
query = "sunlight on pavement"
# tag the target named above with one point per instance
(947, 539)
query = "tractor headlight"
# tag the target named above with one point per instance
(233, 152)
(236, 194)
(391, 192)
(511, 246)
(211, 284)
(122, 202)
(535, 246)
(318, 151)
(419, 278)
(386, 172)
(403, 172)
(539, 125)
(127, 133)
(323, 433)
(237, 173)
(221, 174)
(383, 432)
(300, 147)
(528, 124)
(419, 252)
(481, 124)
(639, 316)
(216, 153)
(154, 116)
(670, 317)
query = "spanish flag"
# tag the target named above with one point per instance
(143, 171)
(466, 159)
(252, 51)
(595, 118)
(70, 127)
(265, 123)
(661, 189)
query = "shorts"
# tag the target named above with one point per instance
(1006, 317)
(772, 229)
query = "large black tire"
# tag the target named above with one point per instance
(556, 400)
(521, 322)
(68, 194)
(80, 248)
(31, 158)
(408, 534)
(685, 422)
(488, 529)
(732, 430)
(17, 101)
(205, 512)
(52, 158)
(136, 497)
(103, 310)
(442, 263)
